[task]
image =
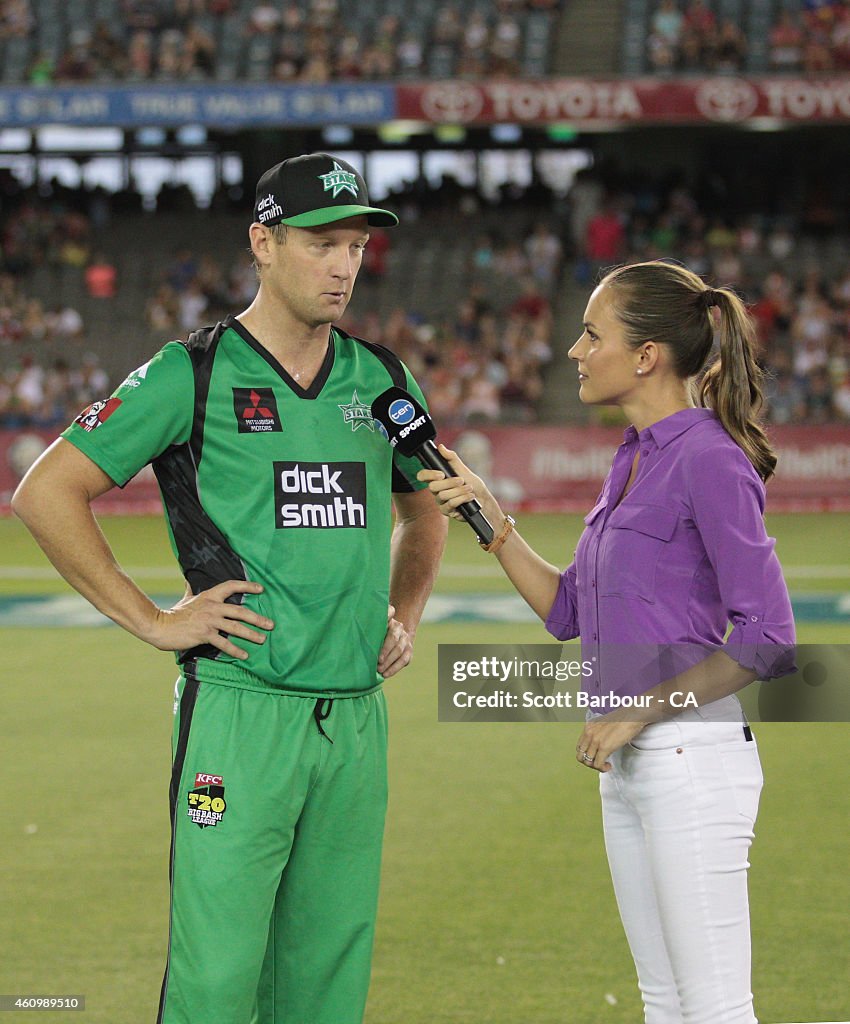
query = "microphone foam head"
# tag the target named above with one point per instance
(408, 426)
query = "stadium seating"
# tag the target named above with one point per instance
(755, 18)
(518, 40)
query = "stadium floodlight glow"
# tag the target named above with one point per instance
(151, 136)
(450, 133)
(15, 140)
(396, 132)
(562, 132)
(337, 135)
(191, 135)
(766, 124)
(70, 138)
(506, 133)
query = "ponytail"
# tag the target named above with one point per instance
(667, 303)
(732, 384)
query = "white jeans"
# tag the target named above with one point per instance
(678, 809)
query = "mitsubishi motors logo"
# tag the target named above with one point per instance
(256, 410)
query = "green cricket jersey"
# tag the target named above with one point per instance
(264, 480)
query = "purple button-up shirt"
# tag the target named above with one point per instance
(682, 556)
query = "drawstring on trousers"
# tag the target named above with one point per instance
(321, 711)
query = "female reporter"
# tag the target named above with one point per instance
(673, 552)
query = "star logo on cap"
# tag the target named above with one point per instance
(357, 414)
(339, 180)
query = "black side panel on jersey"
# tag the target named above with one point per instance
(204, 554)
(187, 709)
(393, 365)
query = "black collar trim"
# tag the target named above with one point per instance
(319, 380)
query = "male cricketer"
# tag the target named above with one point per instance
(302, 598)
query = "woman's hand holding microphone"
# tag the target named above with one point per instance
(464, 486)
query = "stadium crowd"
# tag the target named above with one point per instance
(484, 360)
(482, 363)
(293, 40)
(49, 388)
(802, 310)
(690, 37)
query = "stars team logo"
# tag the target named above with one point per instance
(339, 180)
(357, 414)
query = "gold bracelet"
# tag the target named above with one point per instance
(497, 542)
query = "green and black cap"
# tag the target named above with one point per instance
(307, 191)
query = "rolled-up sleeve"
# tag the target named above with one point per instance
(727, 501)
(562, 621)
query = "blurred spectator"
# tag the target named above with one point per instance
(161, 309)
(667, 23)
(199, 51)
(544, 251)
(65, 322)
(730, 49)
(531, 303)
(140, 59)
(447, 26)
(183, 269)
(817, 53)
(191, 306)
(840, 41)
(292, 18)
(521, 390)
(786, 43)
(143, 15)
(28, 388)
(16, 18)
(784, 398)
(101, 278)
(481, 401)
(819, 397)
(606, 237)
(317, 67)
(699, 19)
(348, 64)
(410, 55)
(376, 252)
(265, 18)
(42, 70)
(841, 398)
(107, 52)
(168, 61)
(663, 56)
(773, 310)
(511, 260)
(76, 64)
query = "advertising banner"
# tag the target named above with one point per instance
(538, 469)
(589, 102)
(586, 103)
(214, 106)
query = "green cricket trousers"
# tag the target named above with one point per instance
(277, 809)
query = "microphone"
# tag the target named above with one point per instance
(409, 429)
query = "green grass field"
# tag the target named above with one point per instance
(496, 905)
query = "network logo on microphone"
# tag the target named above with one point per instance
(401, 411)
